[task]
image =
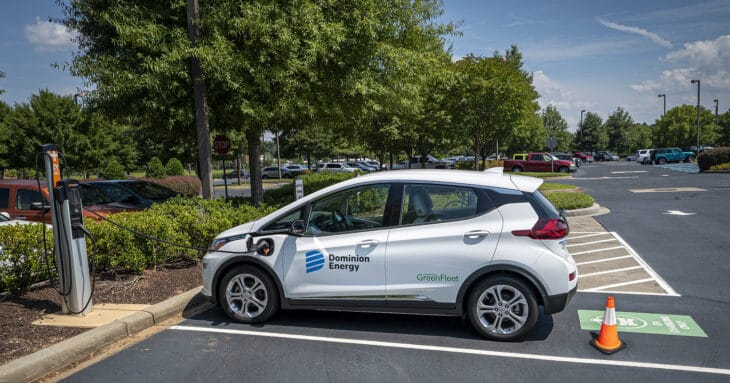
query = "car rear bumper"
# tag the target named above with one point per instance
(556, 303)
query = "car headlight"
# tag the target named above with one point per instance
(219, 242)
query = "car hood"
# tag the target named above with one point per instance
(238, 230)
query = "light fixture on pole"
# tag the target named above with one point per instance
(698, 114)
(664, 96)
(716, 101)
(79, 94)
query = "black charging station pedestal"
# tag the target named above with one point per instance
(69, 239)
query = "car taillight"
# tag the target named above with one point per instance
(545, 228)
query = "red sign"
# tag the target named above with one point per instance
(221, 144)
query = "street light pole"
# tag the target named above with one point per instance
(664, 96)
(580, 127)
(698, 114)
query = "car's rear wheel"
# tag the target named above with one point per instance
(662, 161)
(248, 295)
(516, 169)
(264, 176)
(690, 158)
(563, 169)
(502, 308)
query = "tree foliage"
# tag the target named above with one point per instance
(592, 134)
(617, 127)
(678, 127)
(556, 126)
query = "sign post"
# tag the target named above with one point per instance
(299, 187)
(221, 145)
(552, 142)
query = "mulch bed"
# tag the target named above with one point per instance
(20, 337)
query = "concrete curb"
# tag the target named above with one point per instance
(80, 347)
(596, 209)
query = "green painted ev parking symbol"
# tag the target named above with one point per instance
(645, 323)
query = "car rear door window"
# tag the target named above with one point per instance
(4, 198)
(434, 203)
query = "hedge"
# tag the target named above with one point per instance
(712, 157)
(185, 185)
(568, 201)
(312, 182)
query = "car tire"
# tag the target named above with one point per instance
(248, 295)
(502, 308)
(662, 161)
(264, 176)
(516, 169)
(563, 169)
(690, 158)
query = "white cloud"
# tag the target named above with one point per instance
(707, 61)
(637, 31)
(554, 93)
(49, 36)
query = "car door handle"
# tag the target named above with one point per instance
(368, 243)
(476, 234)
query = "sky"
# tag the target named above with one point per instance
(584, 55)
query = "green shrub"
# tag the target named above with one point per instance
(312, 183)
(155, 169)
(725, 166)
(712, 157)
(22, 260)
(568, 201)
(174, 167)
(183, 221)
(186, 185)
(114, 171)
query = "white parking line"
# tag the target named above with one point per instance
(591, 243)
(466, 351)
(630, 171)
(609, 271)
(587, 235)
(597, 250)
(603, 260)
(600, 288)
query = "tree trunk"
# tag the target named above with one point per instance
(200, 96)
(254, 160)
(477, 148)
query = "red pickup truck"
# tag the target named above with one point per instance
(539, 162)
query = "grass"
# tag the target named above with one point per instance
(551, 186)
(569, 201)
(542, 174)
(725, 166)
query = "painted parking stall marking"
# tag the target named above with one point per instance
(607, 264)
(459, 350)
(667, 190)
(644, 323)
(682, 167)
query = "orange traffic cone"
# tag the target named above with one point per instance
(607, 341)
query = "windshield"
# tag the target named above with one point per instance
(150, 190)
(90, 195)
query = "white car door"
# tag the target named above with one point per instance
(446, 232)
(342, 254)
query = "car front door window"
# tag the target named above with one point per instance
(356, 209)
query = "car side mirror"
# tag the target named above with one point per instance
(39, 206)
(297, 227)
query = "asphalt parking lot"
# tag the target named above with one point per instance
(661, 252)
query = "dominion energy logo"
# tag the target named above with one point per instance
(315, 260)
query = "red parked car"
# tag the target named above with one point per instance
(583, 157)
(539, 162)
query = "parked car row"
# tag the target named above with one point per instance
(663, 155)
(24, 200)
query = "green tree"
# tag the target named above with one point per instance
(723, 121)
(592, 134)
(639, 136)
(557, 127)
(678, 127)
(155, 169)
(114, 170)
(617, 127)
(174, 167)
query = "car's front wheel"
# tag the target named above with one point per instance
(248, 295)
(563, 169)
(516, 169)
(502, 308)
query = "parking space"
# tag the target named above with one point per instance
(607, 264)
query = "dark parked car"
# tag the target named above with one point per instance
(141, 194)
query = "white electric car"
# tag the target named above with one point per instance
(485, 246)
